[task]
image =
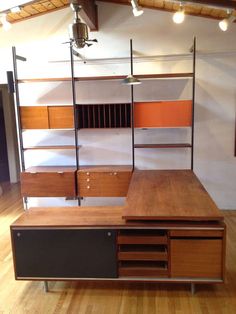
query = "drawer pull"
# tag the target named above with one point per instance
(87, 173)
(88, 187)
(109, 234)
(115, 173)
(60, 172)
(33, 172)
(88, 180)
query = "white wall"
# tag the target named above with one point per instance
(153, 34)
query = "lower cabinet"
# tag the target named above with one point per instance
(197, 255)
(64, 253)
(125, 254)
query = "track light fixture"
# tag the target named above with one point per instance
(137, 11)
(179, 15)
(16, 9)
(224, 24)
(3, 20)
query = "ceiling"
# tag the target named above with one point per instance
(215, 9)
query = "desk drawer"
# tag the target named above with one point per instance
(48, 184)
(105, 184)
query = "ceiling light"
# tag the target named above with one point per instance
(5, 24)
(137, 11)
(224, 24)
(15, 9)
(179, 16)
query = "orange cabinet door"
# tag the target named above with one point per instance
(61, 117)
(34, 117)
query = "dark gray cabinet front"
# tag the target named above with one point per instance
(65, 253)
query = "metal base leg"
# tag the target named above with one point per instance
(46, 289)
(193, 288)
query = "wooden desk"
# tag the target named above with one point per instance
(168, 195)
(183, 244)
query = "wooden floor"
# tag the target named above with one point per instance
(110, 298)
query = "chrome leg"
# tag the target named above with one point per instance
(46, 289)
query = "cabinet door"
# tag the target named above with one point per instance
(61, 117)
(197, 258)
(64, 253)
(105, 184)
(48, 184)
(34, 117)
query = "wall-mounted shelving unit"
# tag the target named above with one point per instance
(106, 180)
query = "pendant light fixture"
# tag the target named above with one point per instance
(224, 24)
(130, 79)
(179, 15)
(137, 11)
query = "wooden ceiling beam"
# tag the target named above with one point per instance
(88, 13)
(227, 4)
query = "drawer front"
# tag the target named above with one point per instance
(64, 253)
(48, 184)
(34, 117)
(197, 258)
(106, 184)
(61, 117)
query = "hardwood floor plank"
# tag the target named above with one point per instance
(23, 297)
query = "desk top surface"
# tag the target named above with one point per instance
(168, 195)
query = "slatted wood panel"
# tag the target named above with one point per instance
(104, 116)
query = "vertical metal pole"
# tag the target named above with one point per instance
(193, 288)
(193, 101)
(132, 104)
(75, 119)
(18, 119)
(46, 288)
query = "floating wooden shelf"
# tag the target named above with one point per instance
(51, 147)
(177, 145)
(108, 78)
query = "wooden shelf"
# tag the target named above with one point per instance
(108, 78)
(62, 147)
(105, 168)
(177, 145)
(51, 169)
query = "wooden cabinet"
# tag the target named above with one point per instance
(103, 181)
(47, 117)
(34, 117)
(64, 253)
(197, 254)
(48, 182)
(163, 114)
(61, 117)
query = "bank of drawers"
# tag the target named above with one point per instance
(104, 181)
(96, 181)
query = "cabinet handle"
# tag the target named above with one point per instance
(115, 173)
(88, 180)
(18, 234)
(88, 187)
(109, 234)
(87, 173)
(33, 172)
(60, 172)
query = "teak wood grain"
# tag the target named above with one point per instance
(168, 195)
(57, 183)
(61, 117)
(142, 256)
(194, 258)
(104, 181)
(34, 117)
